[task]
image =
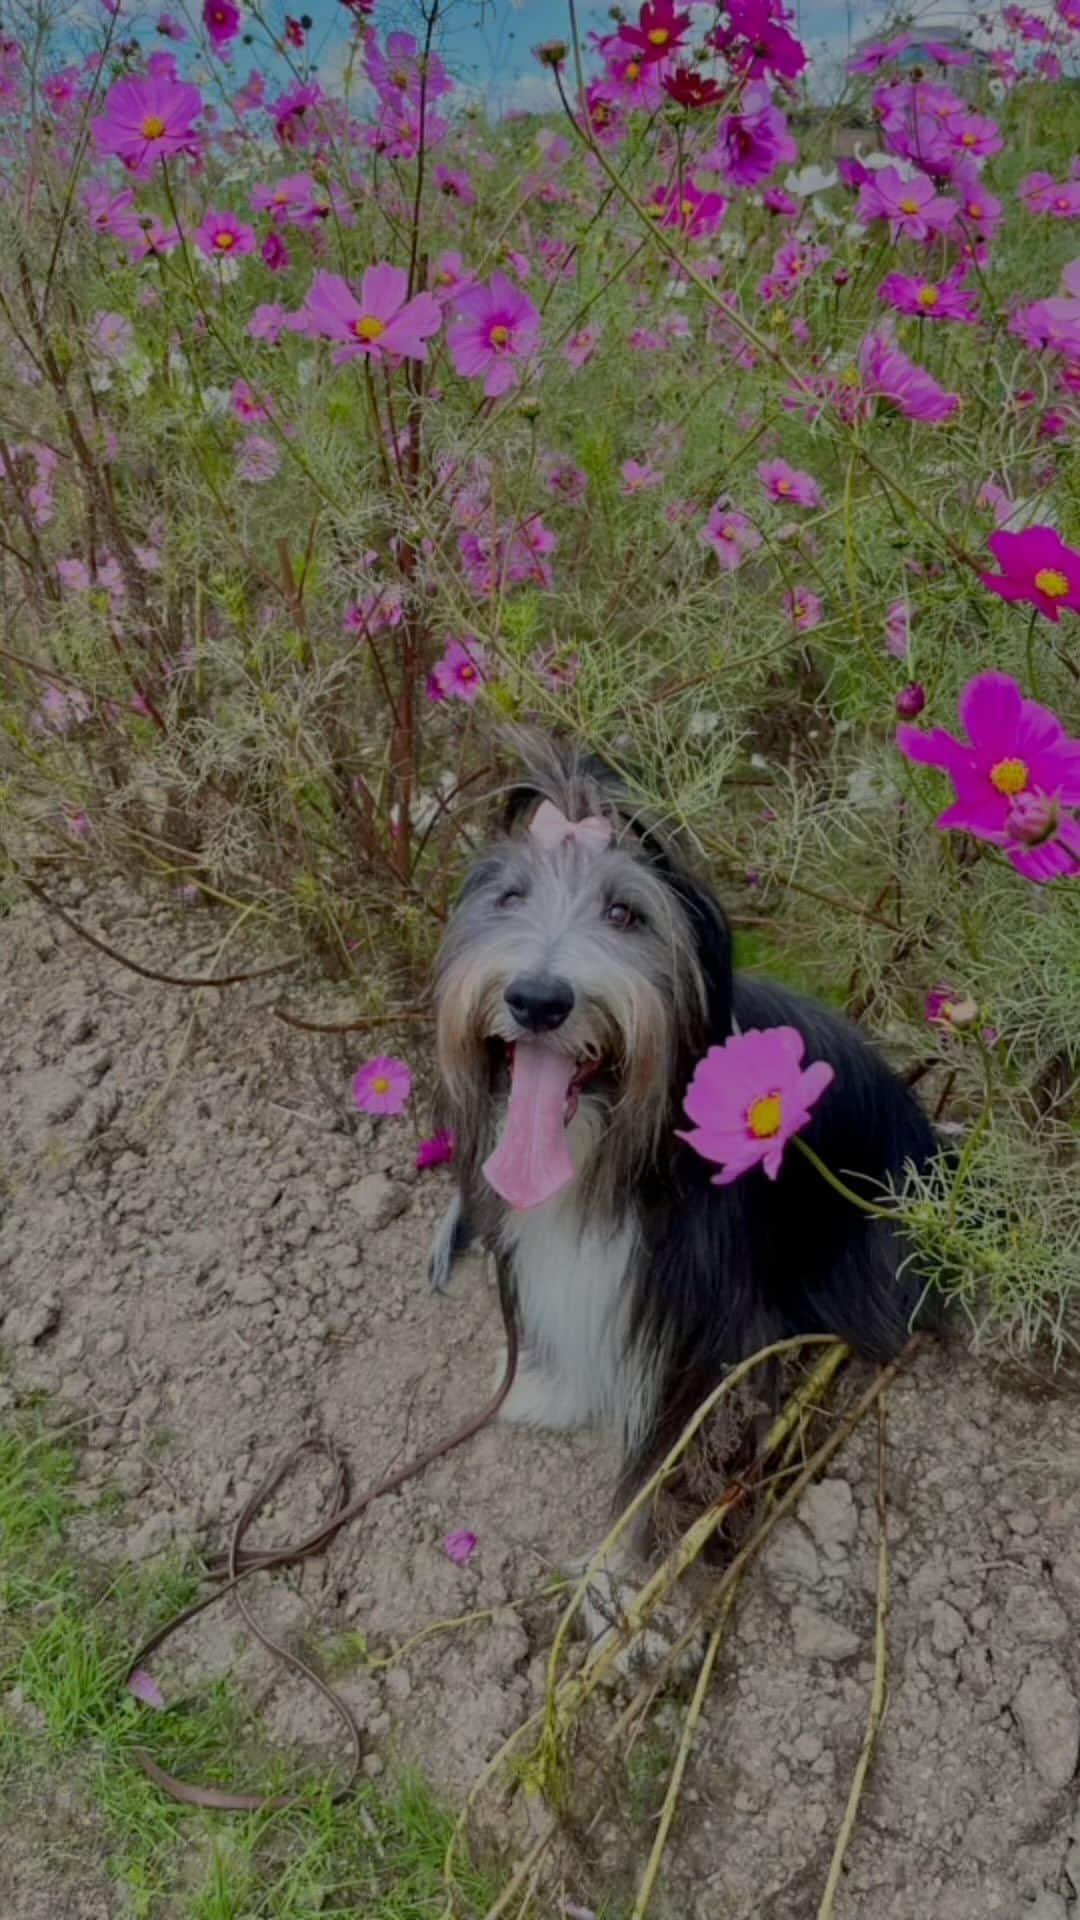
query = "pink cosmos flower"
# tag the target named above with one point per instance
(169, 27)
(462, 671)
(267, 322)
(74, 574)
(222, 22)
(146, 120)
(1037, 567)
(454, 184)
(803, 609)
(449, 276)
(381, 324)
(926, 299)
(274, 254)
(879, 53)
(748, 1097)
(730, 535)
(606, 119)
(381, 1086)
(756, 40)
(435, 1151)
(635, 80)
(787, 485)
(911, 207)
(753, 141)
(639, 476)
(111, 335)
(974, 134)
(979, 210)
(145, 1688)
(581, 346)
(1049, 326)
(889, 375)
(660, 30)
(499, 327)
(1013, 775)
(897, 630)
(684, 205)
(221, 236)
(1041, 193)
(566, 480)
(459, 1545)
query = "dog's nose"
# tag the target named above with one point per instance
(539, 1002)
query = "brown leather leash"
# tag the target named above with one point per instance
(239, 1563)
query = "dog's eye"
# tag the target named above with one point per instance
(511, 897)
(620, 915)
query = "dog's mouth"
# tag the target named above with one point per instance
(531, 1161)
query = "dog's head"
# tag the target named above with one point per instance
(581, 954)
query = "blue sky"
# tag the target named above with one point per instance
(488, 42)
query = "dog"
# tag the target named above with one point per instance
(584, 972)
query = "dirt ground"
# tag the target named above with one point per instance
(205, 1252)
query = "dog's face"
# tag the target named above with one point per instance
(586, 942)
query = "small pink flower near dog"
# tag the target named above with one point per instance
(1036, 566)
(911, 700)
(459, 1545)
(145, 1688)
(435, 1151)
(1015, 776)
(381, 1086)
(748, 1097)
(787, 485)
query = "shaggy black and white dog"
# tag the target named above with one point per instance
(584, 973)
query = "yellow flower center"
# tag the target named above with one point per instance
(399, 78)
(967, 139)
(368, 328)
(467, 673)
(152, 127)
(686, 208)
(974, 209)
(1052, 582)
(909, 206)
(499, 335)
(633, 70)
(658, 36)
(224, 240)
(763, 1116)
(1063, 204)
(927, 297)
(783, 486)
(380, 1084)
(1009, 776)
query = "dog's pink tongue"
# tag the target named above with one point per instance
(532, 1161)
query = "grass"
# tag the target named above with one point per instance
(65, 1629)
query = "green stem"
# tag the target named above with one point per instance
(838, 1185)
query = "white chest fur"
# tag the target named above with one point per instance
(573, 1284)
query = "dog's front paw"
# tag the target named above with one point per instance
(537, 1398)
(454, 1237)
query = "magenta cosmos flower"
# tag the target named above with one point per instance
(888, 374)
(911, 207)
(1013, 775)
(146, 119)
(221, 236)
(748, 1097)
(435, 1151)
(498, 327)
(753, 141)
(222, 22)
(926, 299)
(382, 323)
(381, 1086)
(730, 535)
(461, 672)
(803, 609)
(661, 29)
(787, 485)
(1036, 566)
